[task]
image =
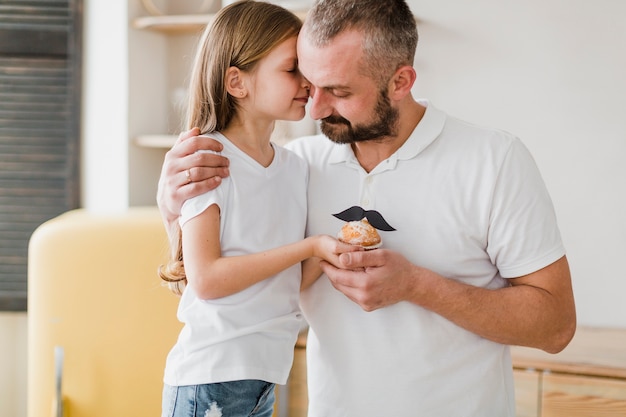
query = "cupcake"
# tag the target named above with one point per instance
(360, 233)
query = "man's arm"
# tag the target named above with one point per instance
(536, 310)
(187, 173)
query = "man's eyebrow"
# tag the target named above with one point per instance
(336, 87)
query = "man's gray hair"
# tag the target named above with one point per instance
(388, 26)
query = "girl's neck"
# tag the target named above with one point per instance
(253, 138)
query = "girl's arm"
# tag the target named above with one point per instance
(213, 276)
(311, 271)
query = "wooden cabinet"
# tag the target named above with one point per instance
(587, 379)
(527, 388)
(297, 397)
(582, 396)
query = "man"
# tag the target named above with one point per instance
(422, 326)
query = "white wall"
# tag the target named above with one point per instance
(12, 364)
(105, 167)
(550, 71)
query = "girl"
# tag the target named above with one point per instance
(242, 243)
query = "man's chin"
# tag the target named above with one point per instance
(335, 133)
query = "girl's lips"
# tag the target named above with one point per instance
(304, 100)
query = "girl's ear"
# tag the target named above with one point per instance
(235, 83)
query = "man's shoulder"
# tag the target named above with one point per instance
(311, 147)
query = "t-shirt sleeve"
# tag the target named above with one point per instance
(197, 205)
(523, 235)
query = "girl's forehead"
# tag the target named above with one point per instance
(285, 51)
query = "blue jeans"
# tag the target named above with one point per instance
(226, 399)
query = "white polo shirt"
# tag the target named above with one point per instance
(467, 203)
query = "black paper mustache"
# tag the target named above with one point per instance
(356, 213)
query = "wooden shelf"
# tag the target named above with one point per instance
(173, 24)
(156, 141)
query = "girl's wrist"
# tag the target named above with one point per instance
(314, 242)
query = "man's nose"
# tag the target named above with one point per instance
(305, 83)
(319, 107)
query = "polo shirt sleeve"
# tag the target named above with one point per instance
(523, 233)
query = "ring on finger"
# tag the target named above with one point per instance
(188, 176)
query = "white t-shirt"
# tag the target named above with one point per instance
(467, 203)
(251, 334)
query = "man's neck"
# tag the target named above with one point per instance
(372, 152)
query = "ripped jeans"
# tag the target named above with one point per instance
(245, 398)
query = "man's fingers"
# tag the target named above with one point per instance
(184, 166)
(198, 187)
(362, 259)
(203, 173)
(328, 268)
(187, 134)
(341, 276)
(207, 159)
(188, 144)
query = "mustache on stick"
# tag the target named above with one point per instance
(356, 213)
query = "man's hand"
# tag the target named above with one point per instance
(535, 310)
(373, 279)
(187, 173)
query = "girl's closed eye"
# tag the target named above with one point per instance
(292, 66)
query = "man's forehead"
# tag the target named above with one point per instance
(334, 64)
(346, 41)
(324, 76)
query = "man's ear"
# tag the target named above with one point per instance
(235, 85)
(402, 82)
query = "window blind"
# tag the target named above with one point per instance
(39, 128)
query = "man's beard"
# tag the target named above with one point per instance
(340, 130)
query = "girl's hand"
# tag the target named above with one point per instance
(325, 248)
(328, 248)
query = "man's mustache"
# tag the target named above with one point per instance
(336, 120)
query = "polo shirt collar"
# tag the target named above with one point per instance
(425, 133)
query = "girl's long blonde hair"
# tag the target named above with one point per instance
(240, 35)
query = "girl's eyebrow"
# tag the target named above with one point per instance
(292, 60)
